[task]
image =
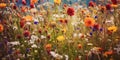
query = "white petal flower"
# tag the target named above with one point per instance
(43, 37)
(34, 46)
(66, 57)
(75, 35)
(28, 23)
(14, 43)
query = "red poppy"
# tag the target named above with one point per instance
(18, 36)
(70, 11)
(26, 33)
(14, 7)
(91, 3)
(22, 23)
(96, 26)
(108, 6)
(32, 5)
(40, 31)
(114, 1)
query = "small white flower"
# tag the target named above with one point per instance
(15, 27)
(55, 55)
(75, 35)
(80, 34)
(14, 43)
(28, 23)
(66, 57)
(34, 46)
(36, 51)
(52, 53)
(33, 10)
(43, 37)
(90, 44)
(33, 38)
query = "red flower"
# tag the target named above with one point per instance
(24, 2)
(114, 1)
(14, 7)
(16, 0)
(32, 5)
(48, 36)
(64, 6)
(91, 3)
(40, 31)
(96, 26)
(22, 23)
(108, 6)
(18, 36)
(70, 11)
(26, 33)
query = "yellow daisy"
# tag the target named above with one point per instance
(61, 38)
(57, 1)
(112, 29)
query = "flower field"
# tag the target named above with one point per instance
(57, 31)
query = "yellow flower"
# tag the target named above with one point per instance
(112, 29)
(57, 1)
(61, 38)
(2, 5)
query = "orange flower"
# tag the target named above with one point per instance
(2, 5)
(33, 1)
(1, 28)
(79, 46)
(89, 22)
(48, 46)
(28, 18)
(108, 53)
(114, 5)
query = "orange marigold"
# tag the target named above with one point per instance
(28, 18)
(89, 22)
(48, 47)
(33, 1)
(1, 28)
(2, 5)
